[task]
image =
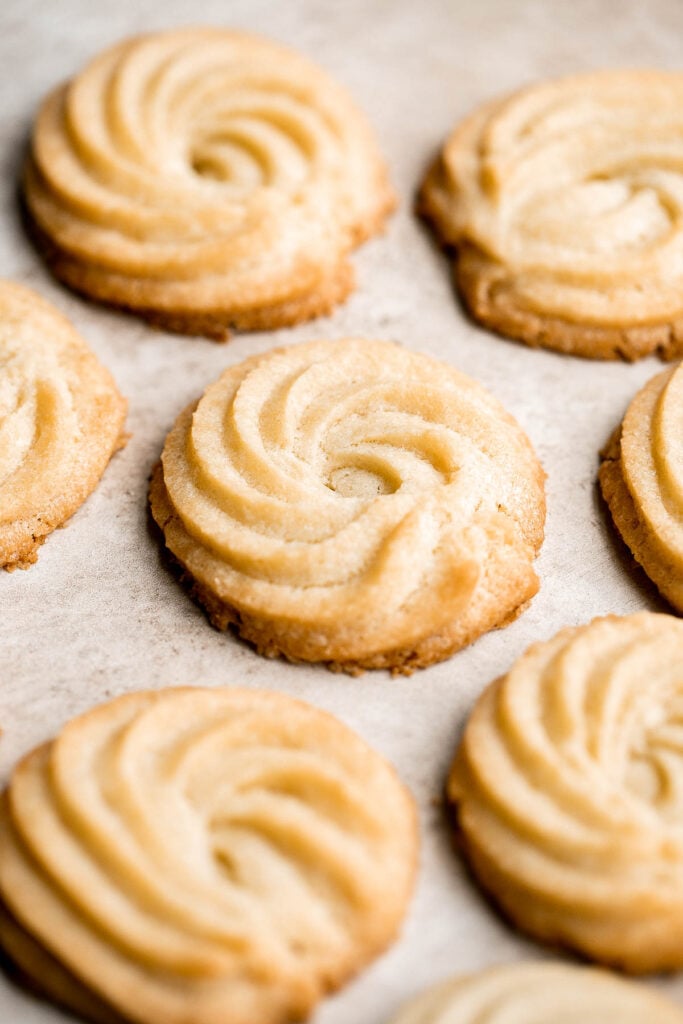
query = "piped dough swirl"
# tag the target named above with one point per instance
(61, 419)
(352, 502)
(539, 993)
(565, 204)
(642, 481)
(205, 178)
(220, 856)
(568, 791)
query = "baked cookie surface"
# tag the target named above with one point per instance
(205, 179)
(352, 502)
(539, 993)
(61, 420)
(563, 203)
(567, 791)
(214, 856)
(641, 478)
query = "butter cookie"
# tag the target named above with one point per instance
(222, 856)
(61, 420)
(352, 502)
(205, 179)
(641, 477)
(564, 204)
(539, 993)
(568, 791)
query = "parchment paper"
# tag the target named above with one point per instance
(100, 615)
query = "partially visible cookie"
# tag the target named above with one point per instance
(567, 790)
(215, 856)
(61, 420)
(641, 477)
(563, 202)
(539, 993)
(205, 179)
(352, 502)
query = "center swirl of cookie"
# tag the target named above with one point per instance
(258, 140)
(576, 187)
(349, 476)
(294, 460)
(610, 728)
(203, 152)
(655, 761)
(152, 120)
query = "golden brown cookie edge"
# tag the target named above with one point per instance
(630, 526)
(217, 325)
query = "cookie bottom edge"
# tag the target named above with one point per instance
(268, 641)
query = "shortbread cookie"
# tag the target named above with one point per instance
(568, 790)
(642, 481)
(205, 179)
(564, 203)
(61, 420)
(539, 993)
(216, 856)
(354, 503)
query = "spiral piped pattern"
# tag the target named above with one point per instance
(352, 502)
(565, 203)
(60, 421)
(223, 856)
(642, 481)
(539, 993)
(205, 178)
(567, 789)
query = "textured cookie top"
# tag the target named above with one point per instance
(646, 498)
(568, 196)
(539, 993)
(224, 856)
(60, 419)
(356, 489)
(203, 171)
(568, 787)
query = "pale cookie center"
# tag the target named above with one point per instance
(597, 215)
(654, 769)
(355, 482)
(251, 149)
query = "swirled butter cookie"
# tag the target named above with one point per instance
(205, 179)
(568, 791)
(61, 420)
(352, 502)
(641, 477)
(539, 993)
(215, 856)
(564, 204)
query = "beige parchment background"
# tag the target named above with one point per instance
(100, 615)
